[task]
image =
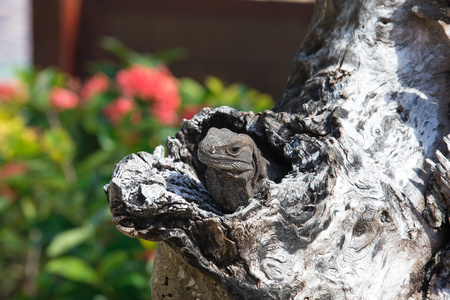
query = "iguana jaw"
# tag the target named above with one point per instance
(224, 162)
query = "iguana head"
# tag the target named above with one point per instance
(223, 149)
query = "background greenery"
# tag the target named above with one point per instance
(59, 141)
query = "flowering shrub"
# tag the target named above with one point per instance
(59, 141)
(152, 84)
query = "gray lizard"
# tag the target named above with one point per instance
(234, 167)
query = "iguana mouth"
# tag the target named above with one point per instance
(223, 162)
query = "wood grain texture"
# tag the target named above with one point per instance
(358, 213)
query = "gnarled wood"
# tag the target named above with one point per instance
(358, 213)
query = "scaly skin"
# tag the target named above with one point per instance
(234, 167)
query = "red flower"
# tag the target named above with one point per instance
(8, 92)
(165, 113)
(97, 84)
(63, 99)
(155, 84)
(118, 109)
(12, 169)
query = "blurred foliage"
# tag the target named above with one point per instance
(59, 141)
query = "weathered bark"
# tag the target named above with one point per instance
(359, 214)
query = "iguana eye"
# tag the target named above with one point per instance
(234, 149)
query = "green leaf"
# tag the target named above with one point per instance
(72, 268)
(68, 240)
(232, 95)
(99, 216)
(28, 208)
(191, 91)
(165, 132)
(171, 55)
(148, 245)
(117, 48)
(99, 297)
(93, 162)
(58, 143)
(107, 67)
(262, 102)
(113, 262)
(143, 59)
(4, 204)
(106, 141)
(135, 279)
(130, 57)
(214, 85)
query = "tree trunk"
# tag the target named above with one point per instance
(358, 212)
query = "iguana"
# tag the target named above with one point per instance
(234, 167)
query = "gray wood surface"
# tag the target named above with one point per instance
(362, 209)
